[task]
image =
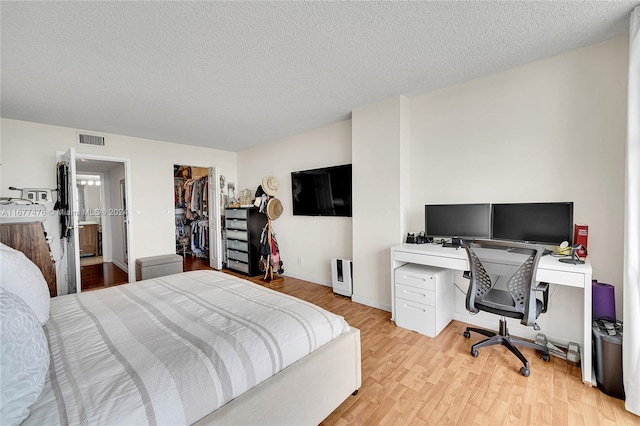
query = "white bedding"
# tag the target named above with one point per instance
(172, 349)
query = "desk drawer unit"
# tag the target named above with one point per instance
(416, 294)
(423, 298)
(417, 317)
(243, 228)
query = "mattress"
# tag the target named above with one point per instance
(172, 349)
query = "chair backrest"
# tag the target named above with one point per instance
(508, 267)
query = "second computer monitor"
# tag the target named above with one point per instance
(545, 223)
(465, 221)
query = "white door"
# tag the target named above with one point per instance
(70, 239)
(215, 220)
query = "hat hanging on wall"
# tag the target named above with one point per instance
(274, 209)
(270, 185)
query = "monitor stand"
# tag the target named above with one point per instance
(455, 242)
(574, 259)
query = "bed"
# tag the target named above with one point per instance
(199, 347)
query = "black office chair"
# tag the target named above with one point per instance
(502, 282)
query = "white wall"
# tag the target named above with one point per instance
(380, 140)
(92, 200)
(116, 223)
(553, 130)
(28, 156)
(314, 239)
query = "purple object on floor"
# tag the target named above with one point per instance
(603, 300)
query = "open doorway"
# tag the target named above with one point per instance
(91, 201)
(198, 221)
(102, 222)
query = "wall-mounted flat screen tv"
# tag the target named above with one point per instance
(544, 223)
(322, 192)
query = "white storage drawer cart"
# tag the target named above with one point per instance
(424, 298)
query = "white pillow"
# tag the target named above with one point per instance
(24, 358)
(22, 277)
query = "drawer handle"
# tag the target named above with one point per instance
(414, 278)
(414, 307)
(414, 292)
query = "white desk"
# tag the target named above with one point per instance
(550, 270)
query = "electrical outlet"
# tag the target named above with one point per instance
(300, 260)
(37, 195)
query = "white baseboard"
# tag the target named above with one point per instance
(371, 302)
(309, 279)
(355, 298)
(120, 265)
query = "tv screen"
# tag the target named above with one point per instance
(322, 192)
(544, 223)
(466, 221)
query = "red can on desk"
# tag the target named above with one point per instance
(580, 234)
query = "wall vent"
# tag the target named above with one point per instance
(95, 140)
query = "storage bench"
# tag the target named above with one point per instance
(158, 266)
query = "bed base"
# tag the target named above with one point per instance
(304, 393)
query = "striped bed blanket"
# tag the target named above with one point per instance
(170, 350)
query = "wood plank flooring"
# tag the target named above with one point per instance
(101, 275)
(410, 379)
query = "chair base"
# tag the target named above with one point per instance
(503, 338)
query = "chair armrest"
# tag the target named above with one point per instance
(544, 288)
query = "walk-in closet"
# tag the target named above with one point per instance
(198, 221)
(191, 192)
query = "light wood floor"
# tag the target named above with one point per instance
(410, 379)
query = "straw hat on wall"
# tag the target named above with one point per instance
(274, 209)
(270, 185)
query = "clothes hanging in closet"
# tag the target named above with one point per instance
(192, 194)
(200, 237)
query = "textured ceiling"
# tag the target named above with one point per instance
(232, 75)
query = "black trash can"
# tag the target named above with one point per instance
(607, 356)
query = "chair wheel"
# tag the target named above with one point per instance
(524, 371)
(466, 334)
(474, 352)
(546, 357)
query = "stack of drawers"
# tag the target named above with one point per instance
(423, 298)
(243, 229)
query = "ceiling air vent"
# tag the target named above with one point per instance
(84, 139)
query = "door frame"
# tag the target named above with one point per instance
(131, 273)
(106, 226)
(128, 225)
(70, 254)
(216, 210)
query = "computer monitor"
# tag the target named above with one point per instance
(543, 223)
(459, 221)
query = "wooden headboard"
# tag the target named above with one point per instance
(29, 238)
